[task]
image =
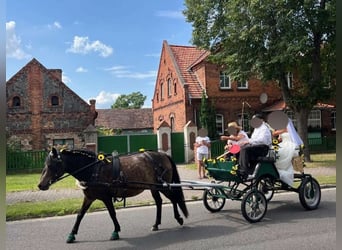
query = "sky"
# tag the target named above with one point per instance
(105, 48)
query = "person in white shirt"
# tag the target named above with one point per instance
(237, 136)
(258, 145)
(202, 151)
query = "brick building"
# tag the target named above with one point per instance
(184, 73)
(42, 111)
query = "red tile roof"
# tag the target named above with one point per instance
(185, 58)
(127, 119)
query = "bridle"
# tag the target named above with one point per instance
(59, 160)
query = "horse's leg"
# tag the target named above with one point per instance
(158, 200)
(110, 207)
(86, 204)
(175, 208)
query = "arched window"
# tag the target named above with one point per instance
(54, 100)
(16, 101)
(169, 87)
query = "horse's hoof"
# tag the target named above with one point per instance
(180, 221)
(154, 228)
(71, 238)
(115, 236)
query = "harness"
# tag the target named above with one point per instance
(118, 178)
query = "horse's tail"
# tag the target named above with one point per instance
(178, 191)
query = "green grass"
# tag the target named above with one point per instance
(27, 210)
(29, 182)
(322, 160)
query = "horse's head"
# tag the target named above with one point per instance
(53, 169)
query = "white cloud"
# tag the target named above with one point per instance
(105, 99)
(82, 45)
(13, 43)
(124, 72)
(81, 70)
(65, 78)
(170, 14)
(55, 25)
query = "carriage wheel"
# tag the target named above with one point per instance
(254, 205)
(265, 185)
(213, 199)
(310, 193)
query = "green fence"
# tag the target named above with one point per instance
(316, 145)
(34, 160)
(124, 144)
(31, 160)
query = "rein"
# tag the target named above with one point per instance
(75, 172)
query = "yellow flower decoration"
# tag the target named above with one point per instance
(141, 150)
(276, 148)
(222, 159)
(233, 172)
(101, 157)
(275, 141)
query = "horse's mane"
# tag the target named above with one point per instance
(83, 152)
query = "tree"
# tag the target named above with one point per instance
(208, 116)
(269, 39)
(134, 100)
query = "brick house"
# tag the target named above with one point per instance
(42, 111)
(125, 121)
(184, 73)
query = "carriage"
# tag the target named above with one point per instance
(256, 191)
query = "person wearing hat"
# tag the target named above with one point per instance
(202, 144)
(237, 135)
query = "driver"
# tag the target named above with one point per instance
(256, 146)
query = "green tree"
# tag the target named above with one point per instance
(208, 116)
(268, 39)
(134, 100)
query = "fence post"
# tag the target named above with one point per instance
(190, 132)
(164, 137)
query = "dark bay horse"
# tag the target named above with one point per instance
(108, 178)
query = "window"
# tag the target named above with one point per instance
(169, 87)
(242, 84)
(224, 81)
(314, 120)
(291, 115)
(16, 101)
(175, 88)
(219, 124)
(161, 91)
(289, 79)
(172, 123)
(333, 120)
(244, 122)
(61, 142)
(54, 100)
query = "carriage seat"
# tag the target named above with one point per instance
(270, 157)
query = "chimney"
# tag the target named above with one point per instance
(93, 110)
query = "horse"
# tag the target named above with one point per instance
(111, 178)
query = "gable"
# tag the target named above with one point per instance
(185, 57)
(34, 80)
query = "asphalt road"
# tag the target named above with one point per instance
(286, 225)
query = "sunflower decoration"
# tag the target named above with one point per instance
(235, 165)
(275, 147)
